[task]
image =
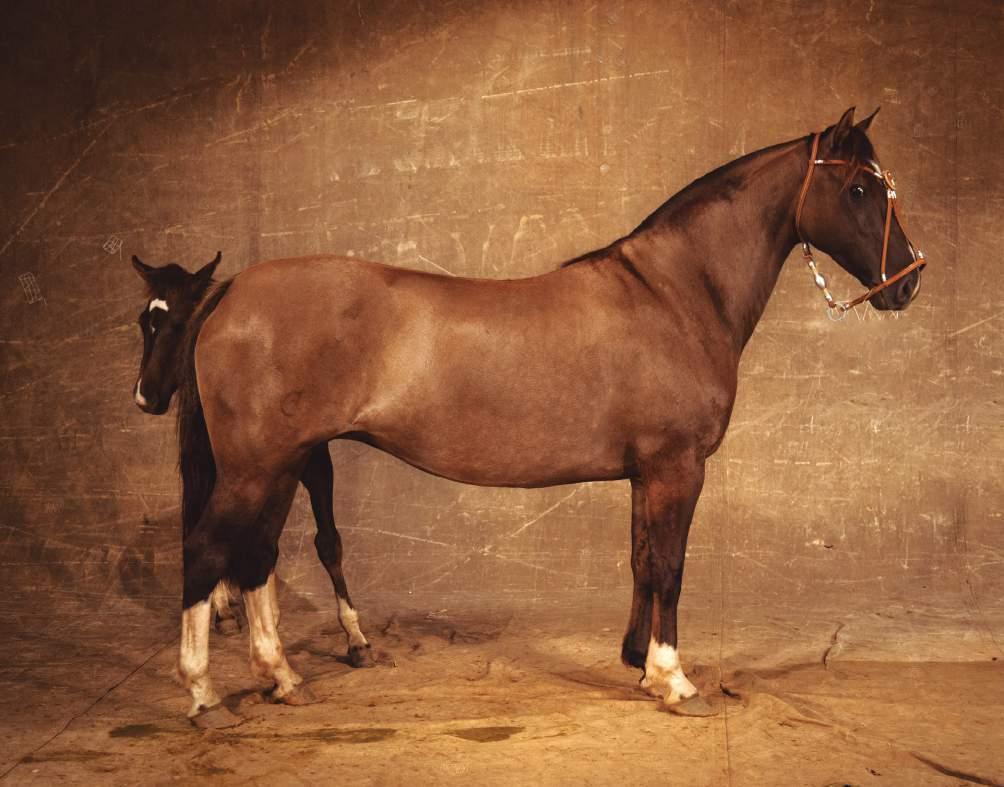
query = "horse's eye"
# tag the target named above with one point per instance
(857, 191)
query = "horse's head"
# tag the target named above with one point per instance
(847, 207)
(172, 297)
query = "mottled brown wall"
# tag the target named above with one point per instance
(496, 139)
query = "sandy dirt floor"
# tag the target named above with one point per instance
(480, 693)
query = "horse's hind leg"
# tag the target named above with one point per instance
(225, 619)
(207, 557)
(273, 596)
(267, 657)
(639, 631)
(671, 489)
(318, 478)
(193, 666)
(257, 581)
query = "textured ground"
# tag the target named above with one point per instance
(896, 693)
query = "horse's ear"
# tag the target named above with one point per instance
(864, 124)
(839, 133)
(145, 271)
(205, 273)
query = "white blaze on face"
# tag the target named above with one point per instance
(193, 659)
(664, 675)
(349, 619)
(157, 303)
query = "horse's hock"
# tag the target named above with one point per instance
(841, 620)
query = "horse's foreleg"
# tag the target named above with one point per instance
(639, 630)
(318, 478)
(670, 490)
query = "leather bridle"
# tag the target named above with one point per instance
(887, 281)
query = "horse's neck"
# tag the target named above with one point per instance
(730, 232)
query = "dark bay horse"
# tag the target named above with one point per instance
(621, 364)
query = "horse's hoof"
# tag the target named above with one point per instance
(361, 656)
(301, 695)
(228, 627)
(692, 706)
(218, 717)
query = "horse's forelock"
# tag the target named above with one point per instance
(174, 283)
(859, 152)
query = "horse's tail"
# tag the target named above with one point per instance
(195, 453)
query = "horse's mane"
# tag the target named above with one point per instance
(589, 255)
(723, 181)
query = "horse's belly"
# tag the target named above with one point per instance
(475, 448)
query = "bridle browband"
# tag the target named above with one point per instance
(886, 177)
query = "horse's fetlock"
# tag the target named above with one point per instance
(266, 660)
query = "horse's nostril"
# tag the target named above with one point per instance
(906, 291)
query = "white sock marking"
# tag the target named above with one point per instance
(664, 676)
(193, 658)
(221, 600)
(273, 598)
(267, 657)
(349, 619)
(140, 399)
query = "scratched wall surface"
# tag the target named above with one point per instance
(496, 139)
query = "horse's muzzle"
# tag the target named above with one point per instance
(898, 296)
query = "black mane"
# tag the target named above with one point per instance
(198, 477)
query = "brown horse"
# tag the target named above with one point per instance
(622, 364)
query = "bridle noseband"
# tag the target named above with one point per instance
(886, 177)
